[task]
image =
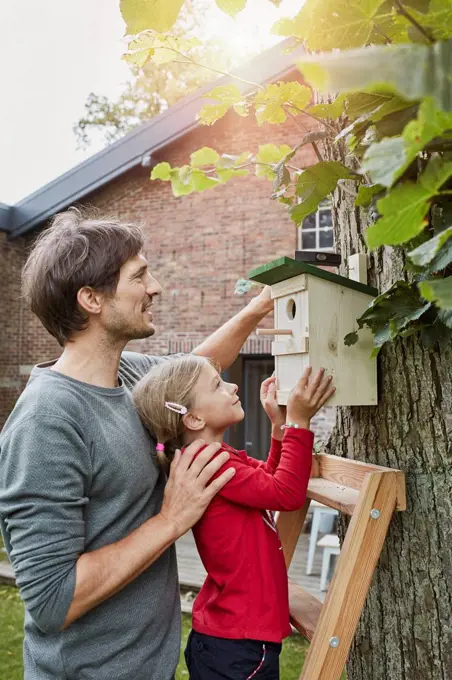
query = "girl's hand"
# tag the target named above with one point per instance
(308, 396)
(276, 413)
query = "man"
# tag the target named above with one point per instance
(86, 518)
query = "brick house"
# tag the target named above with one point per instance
(197, 245)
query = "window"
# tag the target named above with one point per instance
(316, 232)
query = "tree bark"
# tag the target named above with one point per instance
(405, 632)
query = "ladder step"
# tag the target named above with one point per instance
(304, 610)
(342, 498)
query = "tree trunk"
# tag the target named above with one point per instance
(405, 632)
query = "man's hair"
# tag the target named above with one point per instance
(75, 251)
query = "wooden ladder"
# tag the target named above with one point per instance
(369, 494)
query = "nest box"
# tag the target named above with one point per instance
(314, 311)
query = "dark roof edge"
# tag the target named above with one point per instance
(6, 217)
(127, 153)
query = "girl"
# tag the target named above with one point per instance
(241, 614)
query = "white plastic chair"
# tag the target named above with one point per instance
(318, 509)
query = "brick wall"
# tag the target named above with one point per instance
(197, 247)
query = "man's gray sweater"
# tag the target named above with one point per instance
(78, 472)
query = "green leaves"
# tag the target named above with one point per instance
(436, 253)
(161, 171)
(392, 313)
(438, 291)
(231, 7)
(207, 170)
(161, 49)
(327, 25)
(275, 100)
(385, 161)
(272, 103)
(412, 71)
(159, 15)
(314, 185)
(367, 193)
(226, 96)
(437, 21)
(404, 209)
(268, 156)
(204, 156)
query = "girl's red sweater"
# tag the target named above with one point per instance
(245, 594)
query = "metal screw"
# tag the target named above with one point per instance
(374, 513)
(334, 642)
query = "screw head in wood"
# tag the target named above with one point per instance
(334, 642)
(374, 513)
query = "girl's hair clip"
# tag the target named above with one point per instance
(177, 408)
(160, 447)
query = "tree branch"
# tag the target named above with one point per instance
(310, 115)
(401, 9)
(190, 60)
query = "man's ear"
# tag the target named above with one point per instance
(192, 422)
(90, 300)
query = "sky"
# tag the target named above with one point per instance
(53, 53)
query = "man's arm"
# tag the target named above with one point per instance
(104, 572)
(224, 344)
(44, 488)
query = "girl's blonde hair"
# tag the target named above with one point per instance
(171, 380)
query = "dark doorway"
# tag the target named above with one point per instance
(253, 433)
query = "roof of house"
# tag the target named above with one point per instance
(135, 149)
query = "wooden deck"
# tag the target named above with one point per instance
(192, 572)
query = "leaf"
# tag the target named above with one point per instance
(367, 193)
(392, 312)
(204, 156)
(210, 113)
(282, 177)
(231, 7)
(333, 110)
(386, 161)
(200, 181)
(327, 25)
(243, 286)
(269, 102)
(270, 154)
(242, 109)
(436, 252)
(404, 209)
(139, 15)
(181, 181)
(227, 96)
(438, 291)
(314, 185)
(231, 160)
(378, 105)
(351, 339)
(226, 174)
(412, 71)
(161, 171)
(438, 20)
(160, 49)
(445, 316)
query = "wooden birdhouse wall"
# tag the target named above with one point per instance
(314, 311)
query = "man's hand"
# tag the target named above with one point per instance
(263, 302)
(186, 493)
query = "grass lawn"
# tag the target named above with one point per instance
(11, 623)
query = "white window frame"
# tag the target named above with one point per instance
(323, 207)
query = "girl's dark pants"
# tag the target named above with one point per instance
(213, 658)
